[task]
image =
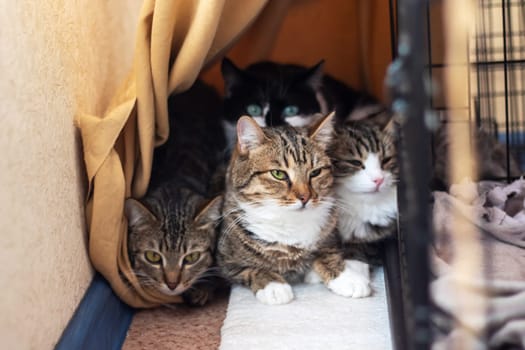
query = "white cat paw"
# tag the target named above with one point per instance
(312, 277)
(275, 293)
(353, 282)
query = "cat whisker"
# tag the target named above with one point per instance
(233, 224)
(228, 213)
(342, 207)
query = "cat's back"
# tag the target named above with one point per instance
(196, 141)
(194, 118)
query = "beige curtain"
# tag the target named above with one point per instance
(175, 40)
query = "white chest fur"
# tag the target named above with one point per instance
(298, 227)
(356, 210)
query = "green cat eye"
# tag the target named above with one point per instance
(279, 174)
(289, 111)
(315, 173)
(254, 110)
(192, 258)
(153, 257)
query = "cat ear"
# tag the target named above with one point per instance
(322, 132)
(137, 213)
(231, 74)
(391, 127)
(249, 134)
(314, 76)
(210, 213)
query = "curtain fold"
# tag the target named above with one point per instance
(175, 39)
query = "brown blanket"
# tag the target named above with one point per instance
(486, 311)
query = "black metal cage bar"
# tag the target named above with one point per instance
(406, 80)
(495, 60)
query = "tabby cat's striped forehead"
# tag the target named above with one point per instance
(175, 211)
(298, 155)
(360, 140)
(293, 146)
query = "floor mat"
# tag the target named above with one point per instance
(179, 327)
(315, 319)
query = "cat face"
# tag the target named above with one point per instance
(364, 158)
(171, 250)
(283, 167)
(272, 94)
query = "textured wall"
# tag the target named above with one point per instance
(56, 57)
(353, 36)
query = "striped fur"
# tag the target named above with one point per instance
(172, 223)
(365, 169)
(177, 217)
(489, 161)
(276, 230)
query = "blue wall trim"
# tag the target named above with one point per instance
(100, 322)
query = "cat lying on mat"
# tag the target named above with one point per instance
(279, 215)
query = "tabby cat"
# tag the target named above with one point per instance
(276, 94)
(172, 230)
(279, 217)
(491, 158)
(365, 176)
(365, 173)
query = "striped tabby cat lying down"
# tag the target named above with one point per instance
(279, 217)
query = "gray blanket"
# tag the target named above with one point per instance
(484, 309)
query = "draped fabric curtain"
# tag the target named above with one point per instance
(175, 41)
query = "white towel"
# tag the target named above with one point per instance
(316, 319)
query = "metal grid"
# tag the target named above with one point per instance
(494, 58)
(498, 61)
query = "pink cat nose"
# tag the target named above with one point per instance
(172, 285)
(378, 181)
(304, 197)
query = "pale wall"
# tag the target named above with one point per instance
(56, 57)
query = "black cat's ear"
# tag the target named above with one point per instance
(314, 75)
(231, 74)
(210, 212)
(137, 213)
(249, 134)
(322, 132)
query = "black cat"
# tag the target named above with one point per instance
(275, 94)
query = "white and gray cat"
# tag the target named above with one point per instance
(365, 172)
(365, 176)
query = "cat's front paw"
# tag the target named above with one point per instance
(353, 282)
(275, 293)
